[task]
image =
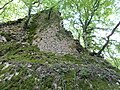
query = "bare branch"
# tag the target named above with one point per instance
(108, 39)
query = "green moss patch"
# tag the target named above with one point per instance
(25, 67)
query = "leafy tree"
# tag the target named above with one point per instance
(85, 16)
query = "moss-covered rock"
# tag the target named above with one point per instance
(24, 67)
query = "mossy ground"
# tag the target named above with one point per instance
(25, 67)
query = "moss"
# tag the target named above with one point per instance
(32, 30)
(46, 83)
(1, 66)
(70, 58)
(25, 53)
(20, 82)
(96, 84)
(8, 47)
(69, 80)
(5, 70)
(13, 51)
(7, 35)
(84, 73)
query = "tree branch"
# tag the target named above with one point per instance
(95, 7)
(88, 21)
(28, 18)
(108, 39)
(6, 4)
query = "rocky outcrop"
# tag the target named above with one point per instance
(52, 37)
(47, 34)
(53, 40)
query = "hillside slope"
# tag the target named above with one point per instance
(45, 57)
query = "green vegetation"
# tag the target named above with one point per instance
(28, 68)
(24, 67)
(88, 20)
